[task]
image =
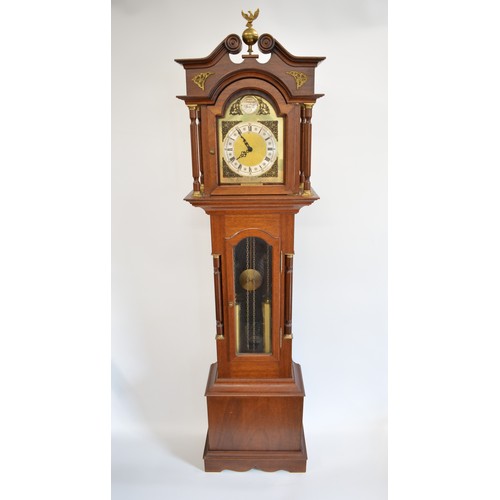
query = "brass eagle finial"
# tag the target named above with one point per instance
(250, 36)
(250, 17)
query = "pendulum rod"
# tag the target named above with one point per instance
(247, 329)
(254, 337)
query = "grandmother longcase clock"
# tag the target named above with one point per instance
(251, 163)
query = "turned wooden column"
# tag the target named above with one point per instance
(218, 297)
(306, 135)
(194, 116)
(288, 294)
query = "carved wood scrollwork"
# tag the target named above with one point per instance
(233, 43)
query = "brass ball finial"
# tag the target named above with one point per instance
(250, 36)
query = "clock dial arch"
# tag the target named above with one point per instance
(251, 142)
(276, 114)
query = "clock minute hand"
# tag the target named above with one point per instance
(249, 148)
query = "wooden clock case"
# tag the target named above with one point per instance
(255, 401)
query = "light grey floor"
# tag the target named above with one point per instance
(351, 465)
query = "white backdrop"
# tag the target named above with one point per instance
(163, 308)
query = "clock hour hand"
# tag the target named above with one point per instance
(243, 154)
(249, 148)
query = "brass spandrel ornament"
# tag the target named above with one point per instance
(299, 77)
(201, 78)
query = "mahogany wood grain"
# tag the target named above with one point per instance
(268, 460)
(251, 204)
(225, 71)
(255, 423)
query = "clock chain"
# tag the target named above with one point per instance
(247, 329)
(254, 338)
(268, 281)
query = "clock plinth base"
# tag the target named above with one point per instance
(268, 461)
(255, 424)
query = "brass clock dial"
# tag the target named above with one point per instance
(250, 149)
(250, 142)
